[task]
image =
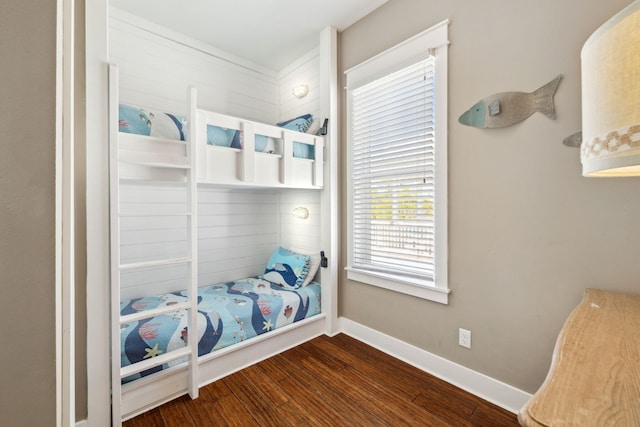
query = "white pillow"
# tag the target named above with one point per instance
(314, 262)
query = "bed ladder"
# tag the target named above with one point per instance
(186, 168)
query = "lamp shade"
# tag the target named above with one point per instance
(611, 97)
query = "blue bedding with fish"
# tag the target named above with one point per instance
(144, 121)
(228, 313)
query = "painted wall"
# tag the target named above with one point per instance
(527, 233)
(27, 213)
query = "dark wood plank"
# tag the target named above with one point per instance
(204, 412)
(234, 412)
(327, 382)
(215, 391)
(313, 409)
(292, 360)
(175, 413)
(268, 386)
(376, 369)
(490, 415)
(148, 419)
(445, 410)
(256, 403)
(376, 400)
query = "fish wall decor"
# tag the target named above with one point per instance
(508, 108)
(574, 140)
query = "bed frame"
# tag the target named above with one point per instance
(136, 157)
(246, 167)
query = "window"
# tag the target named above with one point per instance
(397, 167)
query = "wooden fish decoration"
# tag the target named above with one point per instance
(508, 108)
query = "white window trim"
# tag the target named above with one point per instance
(404, 54)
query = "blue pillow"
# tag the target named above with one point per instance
(287, 268)
(300, 124)
(142, 121)
(303, 151)
(133, 120)
(220, 136)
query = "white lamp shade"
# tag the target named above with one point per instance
(611, 97)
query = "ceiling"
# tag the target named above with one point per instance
(270, 33)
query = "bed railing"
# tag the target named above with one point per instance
(245, 166)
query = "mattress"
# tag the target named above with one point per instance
(228, 313)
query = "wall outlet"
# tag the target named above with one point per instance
(464, 338)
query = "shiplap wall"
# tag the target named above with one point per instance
(156, 68)
(304, 71)
(296, 232)
(237, 232)
(153, 237)
(237, 229)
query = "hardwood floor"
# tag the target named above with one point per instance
(335, 381)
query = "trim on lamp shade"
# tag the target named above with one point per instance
(615, 154)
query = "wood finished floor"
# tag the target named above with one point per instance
(334, 381)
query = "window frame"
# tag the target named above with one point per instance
(432, 41)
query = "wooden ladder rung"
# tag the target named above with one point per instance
(153, 214)
(155, 164)
(145, 314)
(154, 361)
(154, 263)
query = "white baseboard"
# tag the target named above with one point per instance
(82, 423)
(483, 386)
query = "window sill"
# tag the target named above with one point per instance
(421, 289)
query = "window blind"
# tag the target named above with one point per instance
(393, 155)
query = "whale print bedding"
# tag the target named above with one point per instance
(228, 313)
(145, 121)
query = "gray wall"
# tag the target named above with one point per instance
(80, 215)
(27, 212)
(527, 233)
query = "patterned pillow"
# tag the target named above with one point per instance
(314, 262)
(300, 124)
(142, 121)
(220, 136)
(287, 268)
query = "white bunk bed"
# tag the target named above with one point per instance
(229, 166)
(137, 158)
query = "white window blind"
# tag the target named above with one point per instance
(393, 147)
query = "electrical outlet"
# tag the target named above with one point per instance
(464, 338)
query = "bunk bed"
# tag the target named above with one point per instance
(239, 322)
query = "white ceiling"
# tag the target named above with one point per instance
(271, 33)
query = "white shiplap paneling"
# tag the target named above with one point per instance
(156, 71)
(304, 71)
(238, 230)
(297, 233)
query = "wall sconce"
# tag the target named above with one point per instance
(611, 97)
(301, 212)
(301, 91)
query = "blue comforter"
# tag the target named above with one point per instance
(228, 313)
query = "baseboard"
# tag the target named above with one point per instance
(82, 423)
(483, 386)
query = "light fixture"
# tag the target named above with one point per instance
(611, 97)
(301, 212)
(301, 91)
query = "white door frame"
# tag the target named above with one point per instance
(97, 212)
(64, 221)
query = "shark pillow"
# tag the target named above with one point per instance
(287, 268)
